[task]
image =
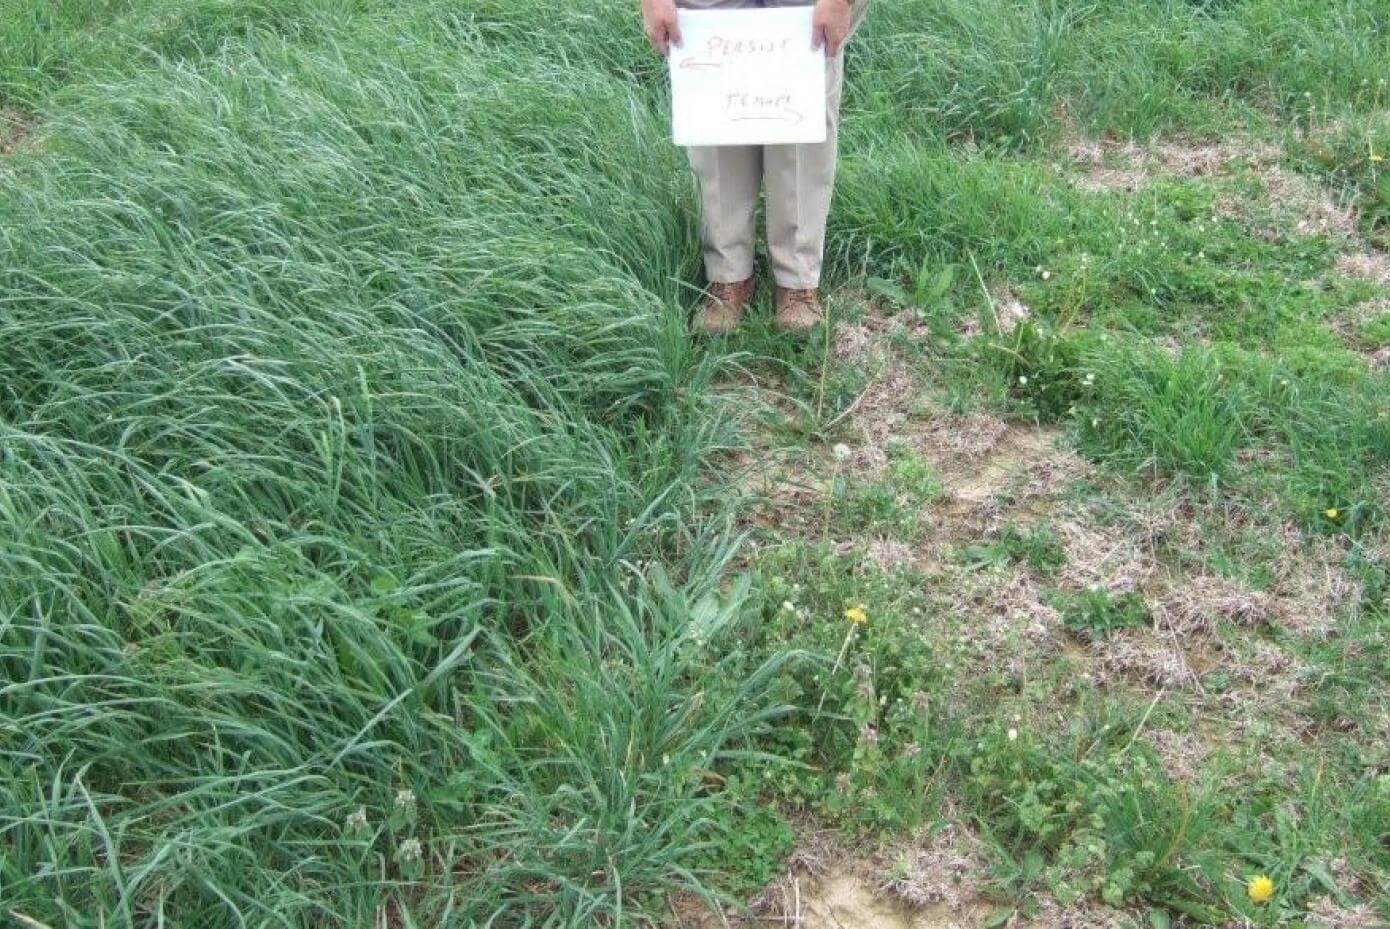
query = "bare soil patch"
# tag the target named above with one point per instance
(1112, 558)
(1198, 604)
(1182, 754)
(845, 900)
(1326, 913)
(1312, 590)
(936, 880)
(1108, 165)
(1294, 202)
(1366, 265)
(991, 471)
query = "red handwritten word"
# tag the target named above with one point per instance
(723, 47)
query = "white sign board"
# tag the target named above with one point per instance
(747, 77)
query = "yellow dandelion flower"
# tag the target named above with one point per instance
(1332, 512)
(1260, 889)
(857, 615)
(1377, 159)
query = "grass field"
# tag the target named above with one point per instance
(367, 550)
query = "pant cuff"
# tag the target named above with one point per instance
(791, 283)
(725, 276)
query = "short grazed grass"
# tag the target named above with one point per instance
(368, 551)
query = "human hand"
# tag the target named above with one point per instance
(830, 23)
(662, 24)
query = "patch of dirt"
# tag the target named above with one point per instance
(859, 342)
(1082, 916)
(1021, 455)
(1146, 658)
(1267, 680)
(1184, 645)
(1367, 265)
(846, 900)
(882, 411)
(14, 129)
(1326, 913)
(1108, 558)
(849, 896)
(1182, 754)
(891, 555)
(1309, 205)
(1297, 201)
(1202, 159)
(1108, 165)
(1198, 604)
(954, 441)
(1004, 619)
(991, 471)
(1312, 588)
(945, 868)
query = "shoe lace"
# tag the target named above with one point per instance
(724, 293)
(798, 301)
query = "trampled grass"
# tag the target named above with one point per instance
(367, 555)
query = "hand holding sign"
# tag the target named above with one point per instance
(661, 22)
(830, 25)
(747, 77)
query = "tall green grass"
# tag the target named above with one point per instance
(338, 442)
(1008, 72)
(358, 563)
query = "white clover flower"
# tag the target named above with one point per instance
(841, 451)
(357, 822)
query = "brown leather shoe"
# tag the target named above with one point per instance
(798, 310)
(722, 308)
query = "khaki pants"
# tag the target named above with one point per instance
(798, 179)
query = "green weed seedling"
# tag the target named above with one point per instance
(928, 295)
(1036, 546)
(1097, 613)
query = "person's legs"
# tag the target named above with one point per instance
(730, 179)
(799, 180)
